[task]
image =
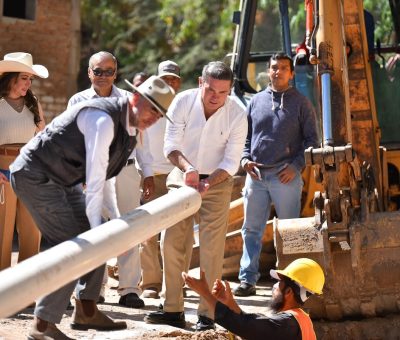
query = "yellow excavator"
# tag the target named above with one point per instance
(350, 220)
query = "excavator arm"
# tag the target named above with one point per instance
(350, 232)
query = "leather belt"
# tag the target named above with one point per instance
(9, 151)
(130, 162)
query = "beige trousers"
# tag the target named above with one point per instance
(212, 217)
(127, 187)
(14, 213)
(152, 275)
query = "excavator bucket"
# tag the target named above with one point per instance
(362, 276)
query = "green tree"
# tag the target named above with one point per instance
(102, 23)
(199, 31)
(380, 10)
(143, 33)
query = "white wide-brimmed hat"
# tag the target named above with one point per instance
(157, 92)
(22, 62)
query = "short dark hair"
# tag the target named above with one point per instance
(217, 70)
(282, 56)
(141, 74)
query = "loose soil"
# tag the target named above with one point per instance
(17, 327)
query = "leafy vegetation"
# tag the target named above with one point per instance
(143, 33)
(380, 10)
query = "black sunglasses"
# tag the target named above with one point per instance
(98, 72)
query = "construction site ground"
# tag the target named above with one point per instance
(16, 327)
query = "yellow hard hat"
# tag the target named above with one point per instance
(305, 272)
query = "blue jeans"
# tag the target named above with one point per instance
(258, 196)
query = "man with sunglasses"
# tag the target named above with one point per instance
(295, 284)
(102, 73)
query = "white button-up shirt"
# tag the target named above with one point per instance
(142, 150)
(99, 192)
(215, 143)
(98, 128)
(156, 132)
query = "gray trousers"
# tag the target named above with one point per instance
(59, 213)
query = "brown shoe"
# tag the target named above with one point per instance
(98, 320)
(112, 272)
(51, 332)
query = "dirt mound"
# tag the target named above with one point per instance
(181, 335)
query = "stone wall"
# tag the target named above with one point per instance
(53, 39)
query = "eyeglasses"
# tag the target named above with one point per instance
(98, 72)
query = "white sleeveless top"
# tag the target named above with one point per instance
(15, 127)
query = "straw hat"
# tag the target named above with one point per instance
(22, 62)
(157, 92)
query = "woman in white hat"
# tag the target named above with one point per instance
(21, 117)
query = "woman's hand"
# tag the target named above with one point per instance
(3, 178)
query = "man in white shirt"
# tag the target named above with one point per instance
(204, 143)
(151, 282)
(90, 142)
(123, 191)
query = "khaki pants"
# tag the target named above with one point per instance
(127, 187)
(13, 212)
(212, 217)
(150, 251)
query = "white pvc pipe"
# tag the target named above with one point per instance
(55, 267)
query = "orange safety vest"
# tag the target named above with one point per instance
(305, 323)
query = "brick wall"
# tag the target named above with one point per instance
(53, 39)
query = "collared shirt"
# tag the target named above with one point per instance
(90, 93)
(98, 129)
(215, 143)
(156, 132)
(141, 152)
(99, 192)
